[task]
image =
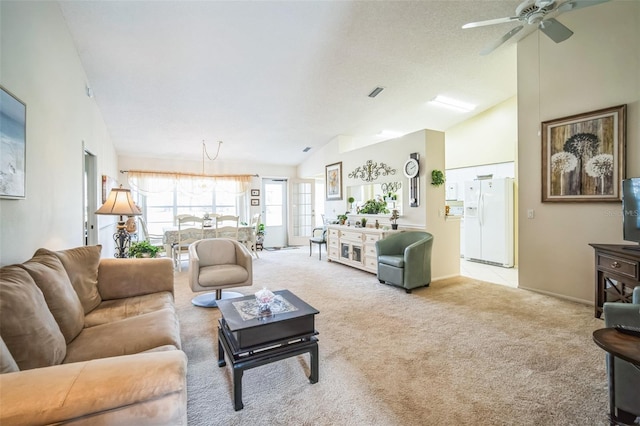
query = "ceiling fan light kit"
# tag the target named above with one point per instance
(540, 13)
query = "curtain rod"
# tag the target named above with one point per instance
(185, 174)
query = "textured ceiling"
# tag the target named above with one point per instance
(271, 78)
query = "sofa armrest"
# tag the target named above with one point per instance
(122, 278)
(102, 387)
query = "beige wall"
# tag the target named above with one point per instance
(598, 67)
(40, 66)
(429, 215)
(488, 138)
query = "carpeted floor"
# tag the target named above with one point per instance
(461, 352)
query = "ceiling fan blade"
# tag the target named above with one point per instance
(489, 22)
(493, 46)
(578, 4)
(555, 30)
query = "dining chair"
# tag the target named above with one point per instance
(190, 229)
(153, 239)
(319, 237)
(227, 226)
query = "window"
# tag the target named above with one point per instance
(169, 198)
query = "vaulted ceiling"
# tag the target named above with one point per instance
(270, 78)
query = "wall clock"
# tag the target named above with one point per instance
(411, 168)
(412, 171)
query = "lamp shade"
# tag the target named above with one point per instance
(120, 203)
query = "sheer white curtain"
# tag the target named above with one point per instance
(147, 182)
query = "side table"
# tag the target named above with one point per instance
(251, 340)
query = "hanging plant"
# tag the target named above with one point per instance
(437, 178)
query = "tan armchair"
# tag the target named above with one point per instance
(215, 264)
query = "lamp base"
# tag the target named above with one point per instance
(123, 240)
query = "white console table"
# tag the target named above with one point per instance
(355, 247)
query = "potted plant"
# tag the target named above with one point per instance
(342, 218)
(363, 222)
(143, 249)
(351, 200)
(437, 177)
(260, 234)
(394, 219)
(374, 206)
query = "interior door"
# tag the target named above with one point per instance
(274, 212)
(301, 211)
(90, 197)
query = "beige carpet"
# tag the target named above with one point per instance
(462, 352)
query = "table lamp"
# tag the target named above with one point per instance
(120, 203)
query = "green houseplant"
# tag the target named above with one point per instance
(394, 219)
(374, 207)
(143, 249)
(260, 234)
(437, 178)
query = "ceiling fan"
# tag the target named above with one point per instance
(536, 12)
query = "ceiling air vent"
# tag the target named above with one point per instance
(376, 92)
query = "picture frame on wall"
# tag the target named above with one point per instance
(583, 156)
(333, 181)
(13, 146)
(255, 201)
(255, 192)
(108, 183)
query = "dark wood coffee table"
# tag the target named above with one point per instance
(251, 340)
(619, 345)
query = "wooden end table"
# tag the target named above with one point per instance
(623, 346)
(251, 340)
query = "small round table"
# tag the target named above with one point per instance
(623, 346)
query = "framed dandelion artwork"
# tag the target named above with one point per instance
(583, 156)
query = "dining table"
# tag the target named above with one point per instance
(170, 235)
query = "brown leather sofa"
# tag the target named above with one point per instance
(86, 341)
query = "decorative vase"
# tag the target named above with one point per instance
(131, 226)
(377, 224)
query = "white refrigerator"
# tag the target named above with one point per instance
(488, 221)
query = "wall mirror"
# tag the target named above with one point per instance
(391, 192)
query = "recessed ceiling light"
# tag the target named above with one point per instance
(452, 103)
(390, 134)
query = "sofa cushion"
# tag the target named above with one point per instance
(52, 279)
(125, 337)
(118, 309)
(26, 325)
(7, 363)
(81, 264)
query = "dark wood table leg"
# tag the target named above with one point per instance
(313, 355)
(221, 362)
(237, 388)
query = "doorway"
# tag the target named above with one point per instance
(274, 212)
(302, 211)
(90, 198)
